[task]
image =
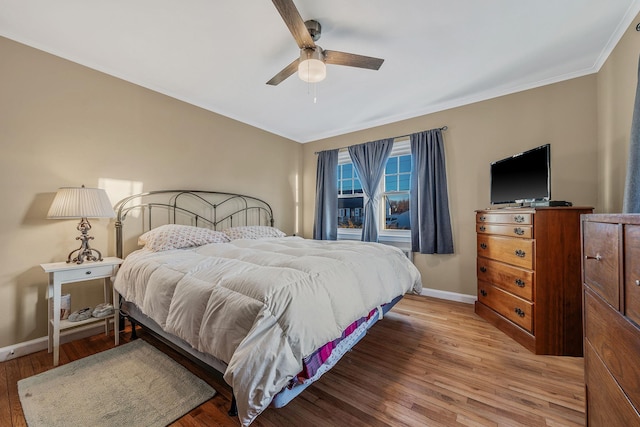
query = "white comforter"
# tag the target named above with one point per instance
(262, 305)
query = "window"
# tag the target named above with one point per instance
(350, 196)
(394, 201)
(395, 188)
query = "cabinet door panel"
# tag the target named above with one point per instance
(632, 272)
(607, 405)
(618, 350)
(601, 263)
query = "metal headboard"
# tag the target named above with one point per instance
(211, 209)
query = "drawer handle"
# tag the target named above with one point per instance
(519, 231)
(520, 253)
(483, 246)
(637, 282)
(518, 218)
(483, 218)
(483, 228)
(483, 292)
(597, 257)
(87, 272)
(483, 269)
(519, 312)
(520, 283)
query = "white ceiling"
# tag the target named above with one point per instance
(219, 54)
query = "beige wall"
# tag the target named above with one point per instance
(617, 82)
(62, 124)
(563, 114)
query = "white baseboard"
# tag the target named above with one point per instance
(32, 346)
(450, 296)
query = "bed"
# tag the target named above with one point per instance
(216, 280)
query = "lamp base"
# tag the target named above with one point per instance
(84, 251)
(84, 254)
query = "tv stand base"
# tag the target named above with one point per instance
(549, 203)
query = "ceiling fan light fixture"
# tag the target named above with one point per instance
(311, 67)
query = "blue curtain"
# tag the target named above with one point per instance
(631, 202)
(429, 200)
(325, 226)
(370, 160)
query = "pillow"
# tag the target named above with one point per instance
(253, 232)
(175, 236)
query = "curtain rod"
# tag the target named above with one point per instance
(443, 128)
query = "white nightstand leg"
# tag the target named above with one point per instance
(57, 288)
(50, 311)
(116, 316)
(106, 299)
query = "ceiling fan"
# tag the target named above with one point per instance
(311, 63)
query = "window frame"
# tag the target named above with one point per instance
(400, 238)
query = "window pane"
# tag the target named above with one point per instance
(347, 171)
(404, 182)
(357, 186)
(391, 183)
(392, 166)
(350, 211)
(397, 212)
(405, 163)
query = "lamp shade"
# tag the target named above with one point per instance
(81, 202)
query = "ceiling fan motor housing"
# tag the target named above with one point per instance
(315, 29)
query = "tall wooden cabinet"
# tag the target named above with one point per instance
(528, 270)
(611, 274)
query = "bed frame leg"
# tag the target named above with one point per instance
(233, 411)
(134, 335)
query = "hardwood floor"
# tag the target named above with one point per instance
(427, 363)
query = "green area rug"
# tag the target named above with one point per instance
(133, 384)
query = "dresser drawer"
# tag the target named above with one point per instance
(617, 351)
(504, 218)
(516, 309)
(632, 272)
(512, 279)
(524, 231)
(518, 252)
(601, 260)
(607, 405)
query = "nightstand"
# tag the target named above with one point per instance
(61, 273)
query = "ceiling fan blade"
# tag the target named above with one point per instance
(294, 22)
(352, 60)
(286, 72)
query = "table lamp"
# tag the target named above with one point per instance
(83, 203)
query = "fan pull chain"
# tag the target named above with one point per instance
(315, 91)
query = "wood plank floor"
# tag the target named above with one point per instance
(427, 363)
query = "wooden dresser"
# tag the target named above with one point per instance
(528, 270)
(611, 274)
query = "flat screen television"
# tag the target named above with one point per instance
(523, 177)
